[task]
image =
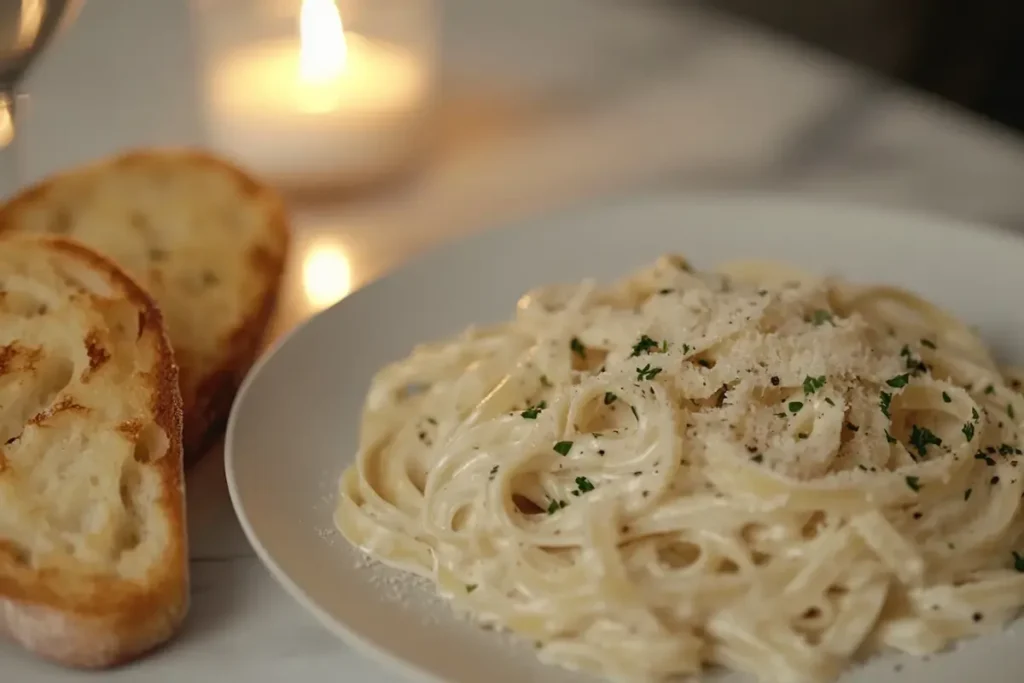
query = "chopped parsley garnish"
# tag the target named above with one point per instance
(494, 471)
(914, 483)
(889, 437)
(563, 447)
(974, 414)
(609, 398)
(1005, 449)
(647, 372)
(633, 408)
(884, 399)
(686, 348)
(583, 484)
(852, 427)
(898, 381)
(928, 343)
(946, 398)
(577, 347)
(645, 345)
(968, 430)
(757, 457)
(981, 455)
(556, 505)
(830, 402)
(922, 437)
(775, 380)
(532, 412)
(820, 317)
(703, 363)
(990, 389)
(967, 494)
(802, 435)
(470, 587)
(1018, 561)
(812, 384)
(795, 406)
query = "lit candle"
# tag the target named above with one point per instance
(330, 107)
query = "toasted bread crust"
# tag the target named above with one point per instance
(208, 412)
(208, 386)
(208, 407)
(118, 621)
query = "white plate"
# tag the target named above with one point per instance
(294, 425)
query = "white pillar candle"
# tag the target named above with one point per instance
(327, 107)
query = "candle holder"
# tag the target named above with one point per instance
(317, 93)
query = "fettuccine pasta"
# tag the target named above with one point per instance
(755, 468)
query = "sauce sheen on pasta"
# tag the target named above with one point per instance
(755, 468)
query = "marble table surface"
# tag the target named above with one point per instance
(544, 103)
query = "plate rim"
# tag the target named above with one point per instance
(772, 200)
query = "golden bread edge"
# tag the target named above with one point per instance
(216, 388)
(205, 419)
(114, 629)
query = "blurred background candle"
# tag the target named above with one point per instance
(323, 104)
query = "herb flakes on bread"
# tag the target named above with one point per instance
(207, 241)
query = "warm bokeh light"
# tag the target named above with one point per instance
(323, 51)
(326, 275)
(6, 122)
(29, 20)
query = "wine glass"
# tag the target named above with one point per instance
(26, 28)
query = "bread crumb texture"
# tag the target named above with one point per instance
(90, 484)
(204, 239)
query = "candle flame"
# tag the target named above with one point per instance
(322, 41)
